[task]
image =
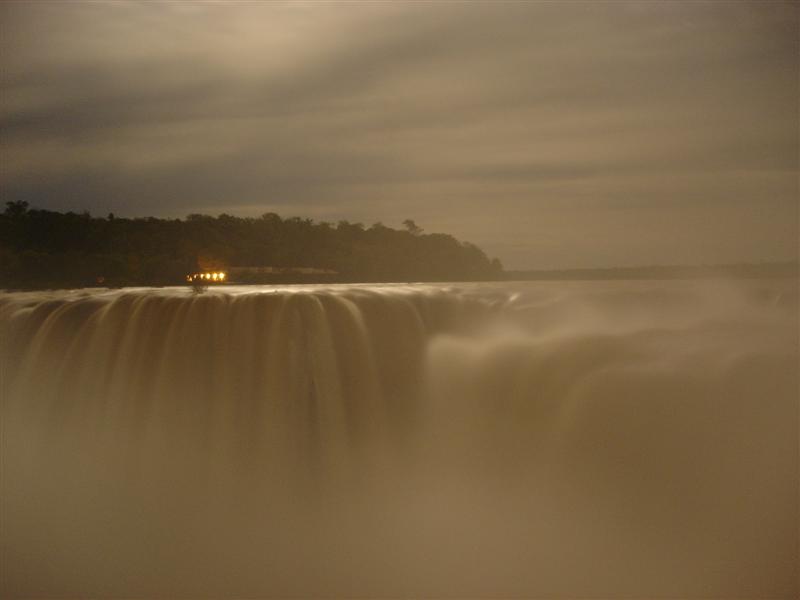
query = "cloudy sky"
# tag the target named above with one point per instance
(551, 134)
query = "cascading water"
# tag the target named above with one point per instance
(552, 439)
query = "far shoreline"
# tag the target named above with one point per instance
(741, 271)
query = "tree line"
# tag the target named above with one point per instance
(44, 249)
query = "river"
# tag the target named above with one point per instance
(549, 439)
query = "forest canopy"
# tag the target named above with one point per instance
(41, 248)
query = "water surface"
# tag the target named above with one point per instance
(512, 439)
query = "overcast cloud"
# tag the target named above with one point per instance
(550, 134)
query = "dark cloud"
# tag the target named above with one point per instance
(553, 134)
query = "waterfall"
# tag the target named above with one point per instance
(516, 439)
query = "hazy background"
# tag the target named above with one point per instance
(552, 135)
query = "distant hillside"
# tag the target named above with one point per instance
(734, 271)
(40, 248)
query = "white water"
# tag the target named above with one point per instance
(532, 439)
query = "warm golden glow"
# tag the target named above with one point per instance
(218, 276)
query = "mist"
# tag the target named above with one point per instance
(558, 439)
(486, 299)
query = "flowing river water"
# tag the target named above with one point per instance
(553, 439)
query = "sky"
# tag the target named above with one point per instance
(552, 135)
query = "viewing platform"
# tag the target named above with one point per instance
(258, 275)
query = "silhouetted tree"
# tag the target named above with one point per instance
(16, 209)
(412, 227)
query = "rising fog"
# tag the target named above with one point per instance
(557, 439)
(563, 439)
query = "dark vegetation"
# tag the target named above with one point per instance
(41, 249)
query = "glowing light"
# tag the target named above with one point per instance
(218, 276)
